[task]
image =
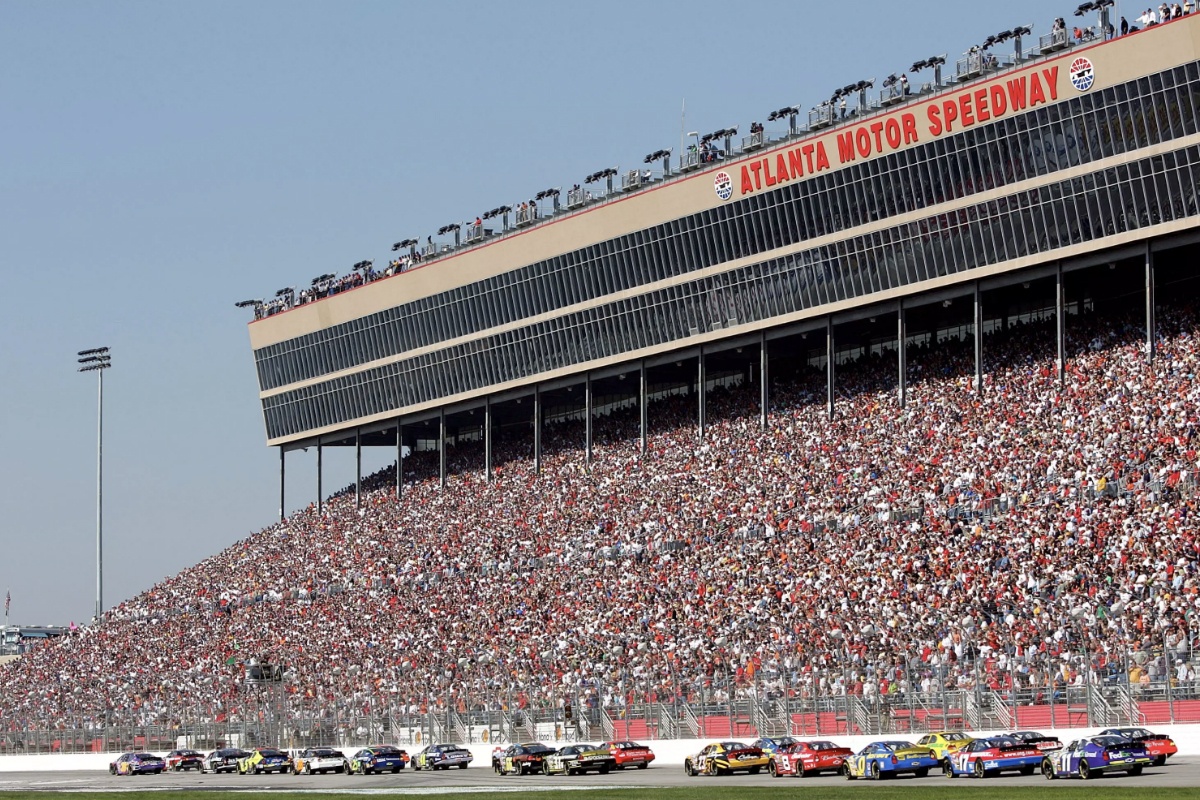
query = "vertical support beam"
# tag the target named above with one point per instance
(764, 388)
(399, 458)
(901, 354)
(442, 448)
(320, 475)
(1150, 323)
(978, 326)
(537, 430)
(282, 506)
(829, 379)
(1060, 324)
(357, 468)
(701, 379)
(587, 412)
(487, 438)
(643, 412)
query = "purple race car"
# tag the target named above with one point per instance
(1095, 755)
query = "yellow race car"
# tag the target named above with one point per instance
(945, 743)
(722, 758)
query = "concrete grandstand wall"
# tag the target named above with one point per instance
(668, 752)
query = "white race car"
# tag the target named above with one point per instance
(319, 760)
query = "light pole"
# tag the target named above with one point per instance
(97, 360)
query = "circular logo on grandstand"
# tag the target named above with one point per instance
(1083, 74)
(724, 185)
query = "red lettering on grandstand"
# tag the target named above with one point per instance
(944, 115)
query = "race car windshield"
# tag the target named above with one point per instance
(625, 745)
(734, 745)
(1111, 741)
(1002, 741)
(146, 756)
(271, 754)
(538, 748)
(823, 746)
(898, 745)
(785, 740)
(322, 753)
(955, 737)
(386, 751)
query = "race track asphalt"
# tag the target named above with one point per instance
(1182, 773)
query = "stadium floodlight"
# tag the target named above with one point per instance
(544, 193)
(600, 175)
(328, 276)
(246, 303)
(365, 264)
(400, 245)
(1084, 8)
(285, 291)
(934, 63)
(98, 359)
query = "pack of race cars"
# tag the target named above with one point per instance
(951, 753)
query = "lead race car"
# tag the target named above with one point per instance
(1093, 756)
(889, 758)
(983, 758)
(137, 764)
(723, 758)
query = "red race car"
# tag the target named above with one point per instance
(1159, 746)
(629, 754)
(802, 759)
(179, 760)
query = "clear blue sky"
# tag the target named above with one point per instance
(160, 161)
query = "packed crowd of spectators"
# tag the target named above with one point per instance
(1035, 534)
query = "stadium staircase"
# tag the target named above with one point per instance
(772, 721)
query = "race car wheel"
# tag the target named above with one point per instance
(923, 772)
(710, 768)
(947, 769)
(1048, 769)
(307, 769)
(604, 770)
(1085, 772)
(873, 771)
(755, 770)
(640, 766)
(1028, 770)
(395, 770)
(462, 766)
(1160, 761)
(1135, 771)
(688, 769)
(977, 769)
(847, 773)
(112, 770)
(771, 768)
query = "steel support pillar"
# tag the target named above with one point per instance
(901, 355)
(587, 413)
(1150, 323)
(399, 459)
(442, 448)
(357, 468)
(320, 475)
(829, 379)
(764, 387)
(978, 326)
(487, 438)
(701, 379)
(282, 512)
(643, 412)
(537, 430)
(1060, 324)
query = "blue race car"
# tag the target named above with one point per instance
(137, 764)
(1095, 755)
(887, 759)
(983, 758)
(442, 756)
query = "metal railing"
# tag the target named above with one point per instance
(1055, 40)
(578, 197)
(634, 179)
(822, 116)
(754, 141)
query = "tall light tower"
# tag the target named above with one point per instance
(97, 360)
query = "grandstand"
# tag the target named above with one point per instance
(902, 442)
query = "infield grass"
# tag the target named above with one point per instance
(1074, 790)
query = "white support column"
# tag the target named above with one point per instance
(901, 354)
(829, 366)
(643, 411)
(587, 405)
(978, 339)
(764, 380)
